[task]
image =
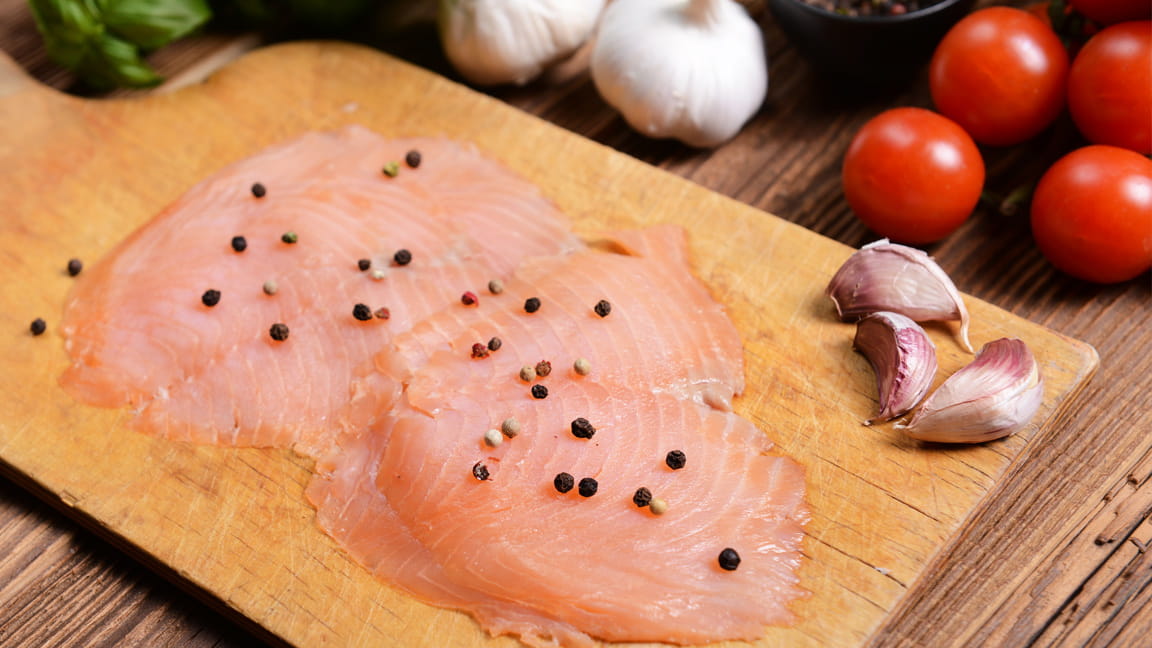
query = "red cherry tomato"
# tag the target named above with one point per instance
(1001, 74)
(1110, 12)
(1092, 214)
(912, 175)
(1110, 87)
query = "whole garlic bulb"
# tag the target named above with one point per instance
(512, 41)
(695, 70)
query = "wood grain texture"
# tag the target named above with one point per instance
(234, 522)
(1025, 570)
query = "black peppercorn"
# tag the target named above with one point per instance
(588, 487)
(412, 159)
(210, 298)
(642, 498)
(239, 243)
(38, 326)
(582, 429)
(539, 391)
(729, 560)
(602, 308)
(480, 471)
(364, 264)
(494, 344)
(74, 267)
(675, 460)
(362, 312)
(564, 482)
(531, 305)
(258, 190)
(279, 332)
(402, 257)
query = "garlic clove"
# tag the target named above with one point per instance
(491, 42)
(695, 70)
(903, 358)
(994, 396)
(883, 276)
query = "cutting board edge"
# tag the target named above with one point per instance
(1090, 363)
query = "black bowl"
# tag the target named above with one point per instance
(862, 49)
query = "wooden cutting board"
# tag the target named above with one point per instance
(79, 175)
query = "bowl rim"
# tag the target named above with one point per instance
(908, 17)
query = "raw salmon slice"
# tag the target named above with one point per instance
(139, 334)
(404, 498)
(526, 559)
(661, 330)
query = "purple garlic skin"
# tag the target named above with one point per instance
(903, 358)
(995, 395)
(883, 276)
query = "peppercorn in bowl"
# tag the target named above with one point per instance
(864, 41)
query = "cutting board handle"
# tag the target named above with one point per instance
(13, 78)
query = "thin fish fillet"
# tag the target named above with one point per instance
(527, 560)
(663, 330)
(138, 334)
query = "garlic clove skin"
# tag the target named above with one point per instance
(903, 358)
(884, 276)
(492, 42)
(994, 396)
(694, 70)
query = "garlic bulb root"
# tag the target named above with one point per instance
(492, 42)
(995, 395)
(694, 70)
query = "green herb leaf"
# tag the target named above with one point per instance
(154, 23)
(113, 62)
(69, 28)
(101, 40)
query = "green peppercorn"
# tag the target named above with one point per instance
(510, 427)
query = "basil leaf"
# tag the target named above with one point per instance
(69, 28)
(113, 62)
(153, 23)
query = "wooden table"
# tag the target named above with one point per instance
(1055, 556)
